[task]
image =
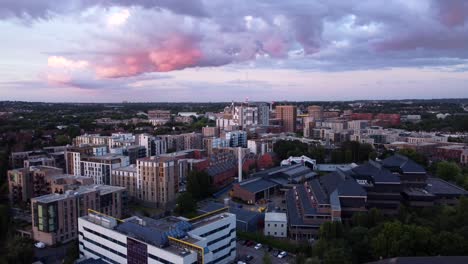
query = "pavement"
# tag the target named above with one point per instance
(51, 255)
(243, 251)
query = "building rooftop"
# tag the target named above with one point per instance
(403, 163)
(130, 168)
(257, 185)
(103, 189)
(275, 217)
(438, 186)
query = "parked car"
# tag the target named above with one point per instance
(250, 244)
(258, 246)
(282, 254)
(40, 245)
(246, 242)
(249, 258)
(241, 262)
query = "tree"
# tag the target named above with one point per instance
(199, 184)
(186, 205)
(62, 140)
(448, 171)
(336, 256)
(20, 250)
(387, 242)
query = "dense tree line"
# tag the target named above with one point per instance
(440, 230)
(199, 186)
(349, 151)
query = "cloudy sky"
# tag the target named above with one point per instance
(220, 50)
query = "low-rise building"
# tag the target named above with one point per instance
(276, 224)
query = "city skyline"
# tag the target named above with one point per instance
(202, 51)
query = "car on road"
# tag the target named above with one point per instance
(282, 254)
(40, 245)
(258, 246)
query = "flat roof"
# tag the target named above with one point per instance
(276, 217)
(438, 186)
(103, 190)
(130, 168)
(258, 185)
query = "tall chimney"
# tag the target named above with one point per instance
(239, 163)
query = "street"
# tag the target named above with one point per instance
(51, 255)
(243, 251)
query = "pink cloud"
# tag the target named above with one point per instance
(176, 52)
(453, 13)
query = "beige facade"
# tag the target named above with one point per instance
(25, 183)
(159, 180)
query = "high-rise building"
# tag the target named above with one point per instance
(158, 178)
(287, 114)
(315, 111)
(309, 125)
(246, 115)
(99, 167)
(155, 146)
(263, 114)
(54, 216)
(209, 238)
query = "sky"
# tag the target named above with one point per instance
(221, 50)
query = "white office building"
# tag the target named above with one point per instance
(209, 238)
(276, 224)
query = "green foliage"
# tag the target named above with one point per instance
(352, 151)
(448, 171)
(186, 205)
(286, 148)
(414, 155)
(199, 184)
(19, 250)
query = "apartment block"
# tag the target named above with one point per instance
(55, 216)
(25, 183)
(236, 138)
(159, 177)
(99, 167)
(287, 114)
(128, 177)
(209, 239)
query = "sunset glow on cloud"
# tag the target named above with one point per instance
(206, 47)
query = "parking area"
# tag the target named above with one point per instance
(244, 251)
